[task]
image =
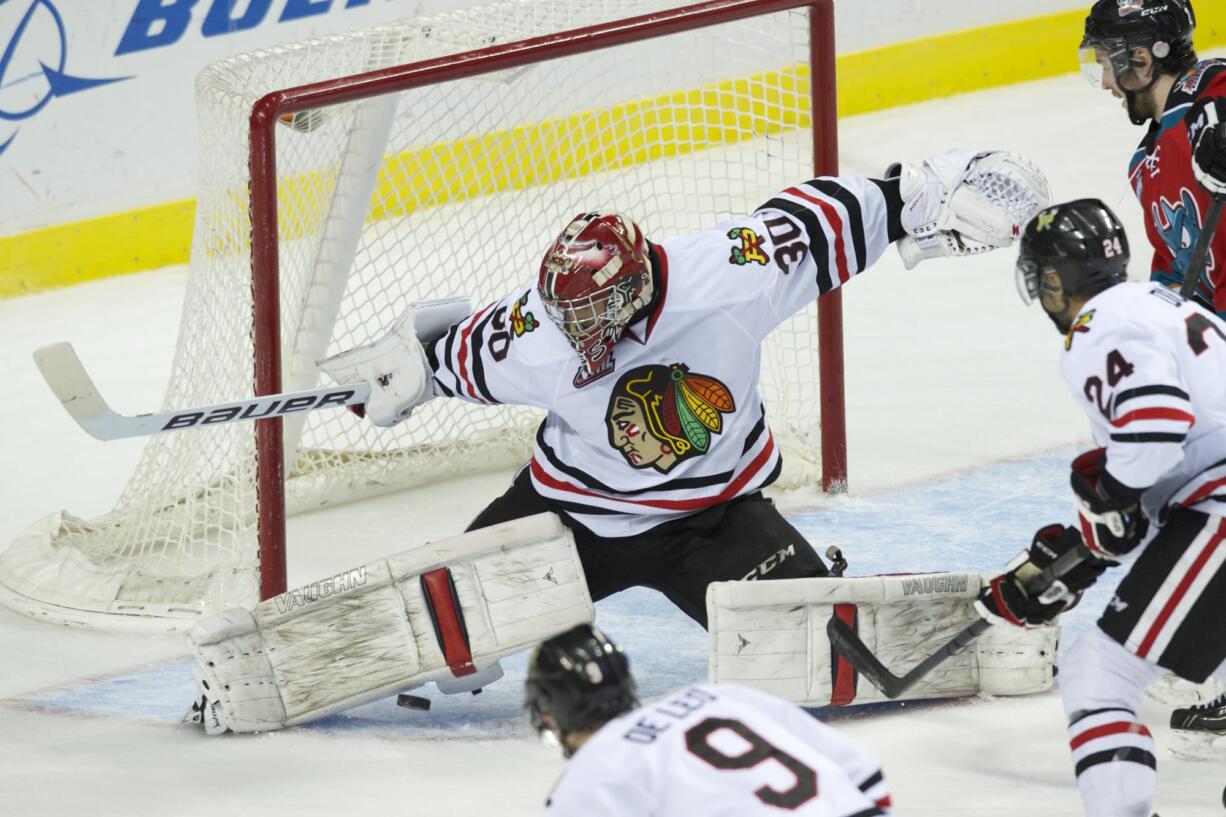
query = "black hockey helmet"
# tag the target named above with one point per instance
(1117, 27)
(1082, 241)
(579, 678)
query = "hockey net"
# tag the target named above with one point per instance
(452, 187)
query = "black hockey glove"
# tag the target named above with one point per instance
(1109, 513)
(1013, 597)
(1207, 137)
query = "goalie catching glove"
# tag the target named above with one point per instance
(962, 203)
(1012, 597)
(395, 366)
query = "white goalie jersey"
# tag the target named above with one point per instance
(719, 751)
(673, 423)
(1149, 370)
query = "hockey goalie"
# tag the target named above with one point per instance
(656, 445)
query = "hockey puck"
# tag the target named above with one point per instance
(412, 702)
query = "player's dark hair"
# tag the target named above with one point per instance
(1082, 241)
(579, 678)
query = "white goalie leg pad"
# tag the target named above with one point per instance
(772, 636)
(442, 612)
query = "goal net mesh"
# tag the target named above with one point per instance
(449, 189)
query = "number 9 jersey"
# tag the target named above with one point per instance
(1149, 370)
(719, 751)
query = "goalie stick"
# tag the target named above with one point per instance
(848, 643)
(62, 370)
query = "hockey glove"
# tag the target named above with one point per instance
(1012, 597)
(396, 366)
(1207, 137)
(960, 203)
(1108, 512)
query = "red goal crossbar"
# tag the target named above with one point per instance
(265, 284)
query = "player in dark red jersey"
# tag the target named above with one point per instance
(1141, 51)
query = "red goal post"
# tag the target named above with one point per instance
(441, 163)
(267, 112)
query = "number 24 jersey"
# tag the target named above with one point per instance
(1149, 370)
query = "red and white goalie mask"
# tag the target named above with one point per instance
(594, 279)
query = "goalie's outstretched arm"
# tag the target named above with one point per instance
(823, 232)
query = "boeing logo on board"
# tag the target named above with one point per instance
(34, 64)
(34, 43)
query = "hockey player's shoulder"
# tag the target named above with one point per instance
(1205, 76)
(723, 262)
(520, 319)
(1125, 311)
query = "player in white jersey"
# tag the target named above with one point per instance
(1149, 370)
(702, 751)
(646, 356)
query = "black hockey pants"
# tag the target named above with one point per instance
(746, 538)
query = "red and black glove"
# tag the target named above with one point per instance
(1109, 513)
(1019, 596)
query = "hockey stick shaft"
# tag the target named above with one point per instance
(1196, 264)
(75, 389)
(844, 639)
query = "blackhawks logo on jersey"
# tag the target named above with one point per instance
(661, 415)
(1080, 326)
(749, 250)
(521, 321)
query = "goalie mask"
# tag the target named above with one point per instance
(580, 680)
(594, 279)
(1083, 243)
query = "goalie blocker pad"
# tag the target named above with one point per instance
(772, 636)
(442, 612)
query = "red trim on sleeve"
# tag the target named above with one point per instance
(462, 355)
(1154, 414)
(448, 621)
(836, 226)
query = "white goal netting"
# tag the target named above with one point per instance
(450, 189)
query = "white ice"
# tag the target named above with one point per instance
(960, 433)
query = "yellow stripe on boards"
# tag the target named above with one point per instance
(581, 144)
(568, 148)
(67, 254)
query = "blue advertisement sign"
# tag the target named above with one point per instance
(34, 67)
